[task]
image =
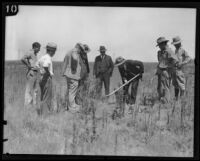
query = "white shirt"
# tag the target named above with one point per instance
(31, 57)
(45, 61)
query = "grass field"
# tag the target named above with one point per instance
(151, 130)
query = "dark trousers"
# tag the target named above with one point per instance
(46, 94)
(130, 98)
(104, 79)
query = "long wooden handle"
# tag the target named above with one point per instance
(122, 85)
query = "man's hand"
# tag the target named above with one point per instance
(179, 65)
(140, 76)
(125, 81)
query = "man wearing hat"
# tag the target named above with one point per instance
(30, 60)
(128, 69)
(45, 66)
(103, 68)
(83, 82)
(74, 70)
(178, 74)
(166, 62)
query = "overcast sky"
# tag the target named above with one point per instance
(125, 31)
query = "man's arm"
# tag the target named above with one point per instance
(122, 75)
(186, 58)
(172, 58)
(111, 66)
(95, 67)
(25, 61)
(64, 66)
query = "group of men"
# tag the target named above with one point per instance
(76, 69)
(170, 68)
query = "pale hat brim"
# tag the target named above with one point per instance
(178, 42)
(118, 64)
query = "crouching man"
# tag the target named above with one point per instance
(129, 69)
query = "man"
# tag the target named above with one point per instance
(83, 83)
(128, 69)
(45, 66)
(178, 75)
(30, 60)
(166, 62)
(74, 70)
(103, 68)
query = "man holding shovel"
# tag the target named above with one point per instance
(130, 69)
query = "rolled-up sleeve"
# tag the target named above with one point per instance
(186, 58)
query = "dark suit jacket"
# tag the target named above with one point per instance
(131, 68)
(104, 66)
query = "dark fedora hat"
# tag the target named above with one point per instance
(102, 48)
(161, 40)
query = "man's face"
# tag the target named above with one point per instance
(36, 49)
(51, 52)
(162, 46)
(177, 45)
(102, 52)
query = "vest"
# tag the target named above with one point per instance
(73, 65)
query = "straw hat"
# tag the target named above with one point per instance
(80, 45)
(119, 61)
(51, 46)
(176, 40)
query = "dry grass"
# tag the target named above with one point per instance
(101, 128)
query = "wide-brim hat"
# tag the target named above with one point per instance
(51, 46)
(176, 40)
(102, 48)
(161, 40)
(119, 61)
(80, 45)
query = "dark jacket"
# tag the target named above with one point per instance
(104, 66)
(131, 68)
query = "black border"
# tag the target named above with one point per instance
(111, 4)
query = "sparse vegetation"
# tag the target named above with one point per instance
(101, 127)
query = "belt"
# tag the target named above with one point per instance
(163, 69)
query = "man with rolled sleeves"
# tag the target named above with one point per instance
(74, 71)
(103, 68)
(30, 60)
(178, 74)
(166, 62)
